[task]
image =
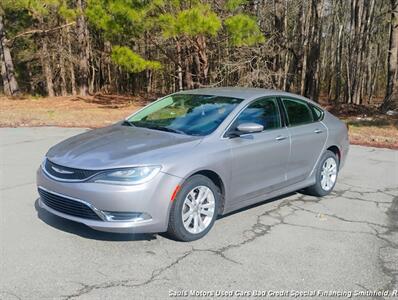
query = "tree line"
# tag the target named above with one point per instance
(342, 50)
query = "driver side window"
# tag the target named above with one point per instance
(264, 112)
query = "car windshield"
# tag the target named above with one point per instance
(185, 114)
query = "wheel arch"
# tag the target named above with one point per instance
(335, 150)
(217, 180)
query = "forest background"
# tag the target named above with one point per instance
(91, 62)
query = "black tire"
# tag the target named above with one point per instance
(176, 229)
(316, 189)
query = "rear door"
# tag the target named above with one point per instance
(308, 137)
(259, 160)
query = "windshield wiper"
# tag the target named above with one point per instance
(163, 128)
(127, 123)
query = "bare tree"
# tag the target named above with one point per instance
(391, 98)
(7, 66)
(82, 37)
(334, 50)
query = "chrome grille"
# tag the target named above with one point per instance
(67, 206)
(67, 173)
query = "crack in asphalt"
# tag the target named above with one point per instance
(127, 282)
(259, 229)
(340, 218)
(390, 229)
(219, 252)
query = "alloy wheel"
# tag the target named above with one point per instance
(198, 209)
(328, 174)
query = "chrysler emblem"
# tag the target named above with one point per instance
(58, 170)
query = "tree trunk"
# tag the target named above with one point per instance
(4, 74)
(179, 66)
(337, 70)
(373, 78)
(287, 59)
(188, 73)
(316, 64)
(201, 61)
(306, 45)
(198, 69)
(357, 72)
(279, 27)
(352, 50)
(391, 98)
(70, 63)
(62, 72)
(7, 67)
(45, 62)
(106, 67)
(81, 28)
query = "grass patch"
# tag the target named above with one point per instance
(378, 131)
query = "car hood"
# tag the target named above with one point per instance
(118, 146)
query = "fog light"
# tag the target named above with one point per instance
(126, 216)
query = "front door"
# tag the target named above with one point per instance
(259, 160)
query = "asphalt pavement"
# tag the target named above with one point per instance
(292, 246)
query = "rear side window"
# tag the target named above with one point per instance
(317, 113)
(298, 112)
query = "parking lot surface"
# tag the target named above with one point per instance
(347, 241)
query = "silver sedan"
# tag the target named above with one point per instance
(180, 162)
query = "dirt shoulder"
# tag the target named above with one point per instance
(365, 126)
(71, 111)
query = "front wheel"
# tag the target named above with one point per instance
(326, 175)
(194, 210)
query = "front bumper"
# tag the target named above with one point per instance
(152, 198)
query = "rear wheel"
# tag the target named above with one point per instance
(194, 210)
(326, 175)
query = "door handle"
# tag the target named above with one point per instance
(318, 131)
(280, 138)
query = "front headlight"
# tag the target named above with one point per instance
(43, 163)
(128, 176)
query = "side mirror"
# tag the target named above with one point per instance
(250, 128)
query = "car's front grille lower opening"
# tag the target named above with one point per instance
(68, 206)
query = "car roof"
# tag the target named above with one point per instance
(241, 92)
